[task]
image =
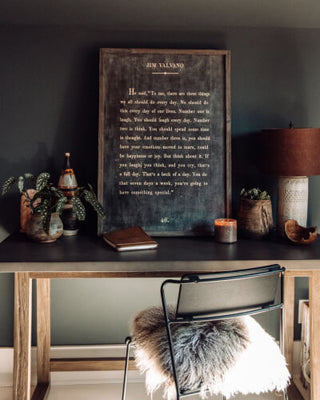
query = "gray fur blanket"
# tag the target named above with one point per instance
(207, 354)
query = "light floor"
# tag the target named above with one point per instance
(112, 391)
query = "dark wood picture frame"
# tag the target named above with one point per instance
(164, 140)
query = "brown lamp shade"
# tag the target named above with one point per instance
(290, 152)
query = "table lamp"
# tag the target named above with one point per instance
(292, 154)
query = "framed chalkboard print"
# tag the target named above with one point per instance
(164, 140)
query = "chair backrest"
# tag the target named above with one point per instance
(221, 295)
(229, 294)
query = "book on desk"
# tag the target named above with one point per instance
(134, 238)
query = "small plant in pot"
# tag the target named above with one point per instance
(254, 194)
(255, 214)
(45, 203)
(22, 183)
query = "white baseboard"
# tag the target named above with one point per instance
(84, 377)
(6, 366)
(74, 377)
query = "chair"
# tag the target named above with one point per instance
(209, 341)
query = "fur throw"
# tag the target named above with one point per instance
(226, 356)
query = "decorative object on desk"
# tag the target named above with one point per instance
(68, 184)
(255, 214)
(152, 177)
(46, 206)
(69, 220)
(134, 238)
(292, 154)
(49, 198)
(44, 201)
(299, 234)
(25, 210)
(36, 231)
(67, 180)
(19, 182)
(23, 183)
(225, 230)
(74, 209)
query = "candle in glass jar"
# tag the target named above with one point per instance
(225, 230)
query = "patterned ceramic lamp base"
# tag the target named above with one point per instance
(292, 200)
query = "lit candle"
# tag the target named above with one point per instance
(225, 230)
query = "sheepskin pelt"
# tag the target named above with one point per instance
(223, 357)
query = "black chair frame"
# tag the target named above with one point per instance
(270, 276)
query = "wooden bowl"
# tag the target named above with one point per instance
(299, 234)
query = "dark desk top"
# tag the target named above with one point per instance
(174, 255)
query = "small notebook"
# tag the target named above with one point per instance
(134, 238)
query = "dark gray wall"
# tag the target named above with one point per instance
(49, 83)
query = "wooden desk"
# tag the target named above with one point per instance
(90, 257)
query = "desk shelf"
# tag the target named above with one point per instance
(174, 256)
(90, 257)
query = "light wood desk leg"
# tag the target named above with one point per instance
(314, 304)
(288, 319)
(22, 336)
(43, 330)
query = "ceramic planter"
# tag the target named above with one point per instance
(35, 230)
(25, 211)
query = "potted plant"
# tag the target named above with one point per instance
(255, 213)
(26, 195)
(48, 202)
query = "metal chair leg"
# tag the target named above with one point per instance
(124, 383)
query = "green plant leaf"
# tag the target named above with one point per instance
(42, 180)
(59, 193)
(20, 183)
(91, 198)
(45, 215)
(78, 208)
(254, 194)
(60, 204)
(7, 184)
(28, 175)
